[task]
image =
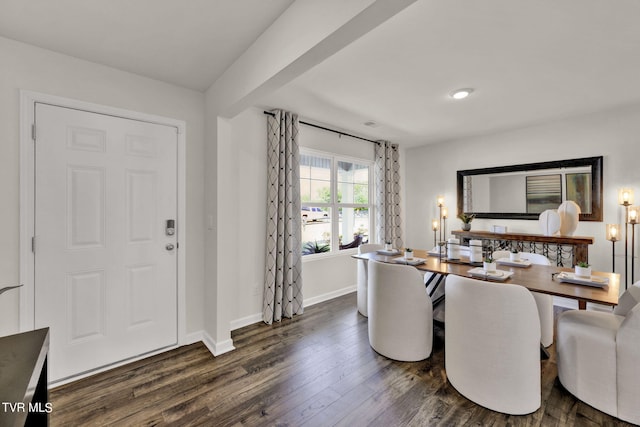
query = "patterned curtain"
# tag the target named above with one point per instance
(387, 181)
(283, 275)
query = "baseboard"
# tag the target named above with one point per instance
(246, 321)
(193, 337)
(329, 296)
(255, 318)
(217, 348)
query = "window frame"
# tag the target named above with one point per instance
(334, 206)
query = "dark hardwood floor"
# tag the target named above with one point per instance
(315, 370)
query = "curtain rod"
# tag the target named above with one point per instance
(328, 129)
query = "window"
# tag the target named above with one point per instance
(335, 196)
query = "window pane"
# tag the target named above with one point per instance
(353, 183)
(315, 178)
(354, 227)
(316, 230)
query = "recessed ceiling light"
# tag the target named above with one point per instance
(461, 93)
(371, 123)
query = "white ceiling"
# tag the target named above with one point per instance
(529, 61)
(189, 43)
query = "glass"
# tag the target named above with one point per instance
(316, 230)
(315, 179)
(625, 196)
(353, 183)
(613, 232)
(354, 225)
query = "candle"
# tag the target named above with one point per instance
(444, 213)
(435, 225)
(633, 215)
(440, 200)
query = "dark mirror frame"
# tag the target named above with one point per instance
(596, 186)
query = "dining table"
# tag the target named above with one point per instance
(537, 278)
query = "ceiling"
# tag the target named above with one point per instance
(528, 61)
(189, 43)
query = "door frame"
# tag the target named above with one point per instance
(28, 100)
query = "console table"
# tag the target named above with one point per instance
(23, 379)
(565, 251)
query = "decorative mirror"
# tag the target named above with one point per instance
(525, 191)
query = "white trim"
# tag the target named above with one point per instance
(329, 296)
(246, 321)
(257, 318)
(109, 367)
(217, 348)
(28, 100)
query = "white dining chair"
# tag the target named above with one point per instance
(598, 356)
(492, 344)
(363, 277)
(400, 312)
(544, 302)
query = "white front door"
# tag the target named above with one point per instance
(105, 265)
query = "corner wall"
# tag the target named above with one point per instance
(431, 170)
(244, 248)
(39, 70)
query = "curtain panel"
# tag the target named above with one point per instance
(283, 270)
(387, 187)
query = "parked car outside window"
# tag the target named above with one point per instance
(313, 214)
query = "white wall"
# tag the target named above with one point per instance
(31, 68)
(322, 278)
(612, 134)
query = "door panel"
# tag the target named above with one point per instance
(104, 281)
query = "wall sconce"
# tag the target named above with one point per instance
(613, 235)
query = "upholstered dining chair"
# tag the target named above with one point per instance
(492, 344)
(544, 302)
(400, 312)
(598, 356)
(363, 276)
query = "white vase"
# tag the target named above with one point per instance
(475, 250)
(489, 267)
(453, 248)
(549, 221)
(514, 256)
(388, 247)
(583, 271)
(408, 255)
(569, 212)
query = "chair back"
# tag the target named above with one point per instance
(492, 340)
(628, 361)
(400, 312)
(529, 256)
(363, 277)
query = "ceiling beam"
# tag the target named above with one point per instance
(306, 34)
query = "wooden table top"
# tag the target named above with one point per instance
(537, 278)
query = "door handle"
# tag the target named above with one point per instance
(170, 247)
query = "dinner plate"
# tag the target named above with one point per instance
(499, 275)
(520, 263)
(412, 261)
(386, 252)
(597, 281)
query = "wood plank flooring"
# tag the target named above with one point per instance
(314, 370)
